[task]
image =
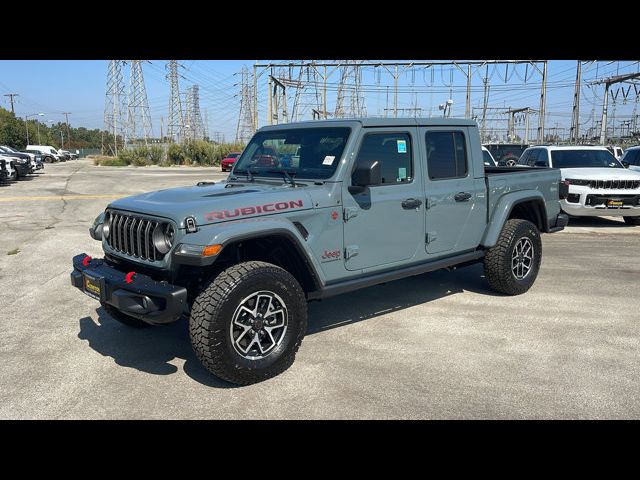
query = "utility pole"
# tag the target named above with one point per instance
(66, 116)
(543, 103)
(161, 128)
(176, 118)
(467, 110)
(605, 102)
(11, 95)
(138, 116)
(574, 135)
(605, 105)
(486, 99)
(395, 92)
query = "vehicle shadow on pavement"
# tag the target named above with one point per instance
(395, 296)
(148, 350)
(151, 350)
(597, 222)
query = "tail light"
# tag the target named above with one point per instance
(563, 189)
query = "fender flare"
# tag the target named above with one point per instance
(503, 209)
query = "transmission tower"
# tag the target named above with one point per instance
(195, 114)
(114, 107)
(205, 127)
(244, 129)
(176, 119)
(350, 99)
(138, 117)
(188, 115)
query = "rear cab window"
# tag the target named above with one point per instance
(446, 154)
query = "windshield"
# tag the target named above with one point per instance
(302, 152)
(487, 158)
(499, 151)
(584, 159)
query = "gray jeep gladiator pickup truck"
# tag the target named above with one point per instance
(310, 210)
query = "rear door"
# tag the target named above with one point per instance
(385, 224)
(456, 207)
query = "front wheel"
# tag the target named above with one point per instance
(512, 264)
(248, 323)
(632, 220)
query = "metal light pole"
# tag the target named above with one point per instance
(26, 124)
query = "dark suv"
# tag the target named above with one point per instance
(506, 154)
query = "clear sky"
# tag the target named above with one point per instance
(78, 86)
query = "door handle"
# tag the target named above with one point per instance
(462, 196)
(411, 203)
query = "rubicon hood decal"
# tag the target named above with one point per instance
(217, 203)
(253, 210)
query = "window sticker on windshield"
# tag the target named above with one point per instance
(402, 174)
(328, 160)
(402, 146)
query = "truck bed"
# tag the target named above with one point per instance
(504, 180)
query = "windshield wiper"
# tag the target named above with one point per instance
(287, 175)
(248, 172)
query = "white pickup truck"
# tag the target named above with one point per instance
(599, 185)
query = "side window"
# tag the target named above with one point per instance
(533, 157)
(446, 155)
(393, 151)
(633, 157)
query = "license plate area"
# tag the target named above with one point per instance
(93, 286)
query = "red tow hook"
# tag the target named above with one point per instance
(86, 260)
(129, 277)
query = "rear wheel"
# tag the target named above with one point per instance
(632, 220)
(123, 318)
(512, 265)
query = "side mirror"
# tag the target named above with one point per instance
(625, 164)
(367, 174)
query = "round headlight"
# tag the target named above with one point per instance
(163, 236)
(106, 225)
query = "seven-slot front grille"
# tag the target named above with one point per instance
(133, 236)
(609, 184)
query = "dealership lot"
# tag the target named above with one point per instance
(440, 345)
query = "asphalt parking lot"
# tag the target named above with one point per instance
(440, 345)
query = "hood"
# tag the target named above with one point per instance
(215, 203)
(600, 173)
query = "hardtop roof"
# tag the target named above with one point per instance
(376, 122)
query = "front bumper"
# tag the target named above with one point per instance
(23, 168)
(144, 298)
(607, 204)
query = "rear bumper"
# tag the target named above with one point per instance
(144, 298)
(562, 220)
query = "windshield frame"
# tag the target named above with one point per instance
(275, 172)
(604, 150)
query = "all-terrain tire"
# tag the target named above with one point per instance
(123, 317)
(210, 324)
(632, 220)
(498, 259)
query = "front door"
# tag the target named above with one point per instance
(456, 198)
(385, 223)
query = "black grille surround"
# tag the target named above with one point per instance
(132, 235)
(607, 184)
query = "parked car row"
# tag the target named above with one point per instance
(16, 164)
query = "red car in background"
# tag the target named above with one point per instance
(228, 161)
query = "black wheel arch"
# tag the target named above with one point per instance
(277, 246)
(531, 209)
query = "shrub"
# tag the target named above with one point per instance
(143, 155)
(109, 161)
